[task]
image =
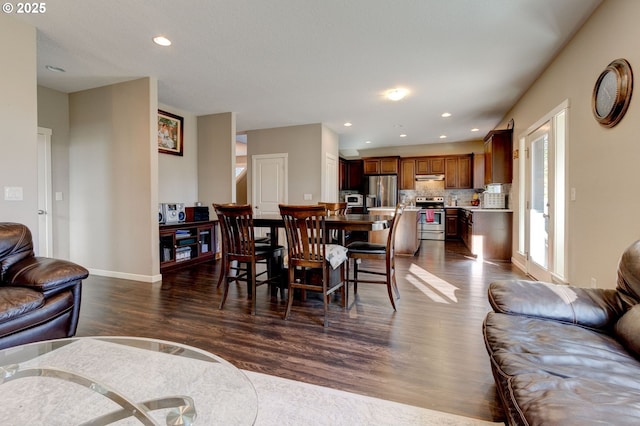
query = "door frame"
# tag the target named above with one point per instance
(558, 118)
(45, 203)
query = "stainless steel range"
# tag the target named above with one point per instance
(432, 218)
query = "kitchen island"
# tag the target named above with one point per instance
(487, 233)
(407, 239)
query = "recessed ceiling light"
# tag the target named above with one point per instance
(162, 41)
(396, 94)
(55, 69)
(475, 129)
(446, 114)
(443, 136)
(403, 135)
(347, 124)
(368, 142)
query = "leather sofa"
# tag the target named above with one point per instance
(564, 355)
(39, 297)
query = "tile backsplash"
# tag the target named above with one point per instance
(436, 189)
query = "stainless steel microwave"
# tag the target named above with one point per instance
(354, 200)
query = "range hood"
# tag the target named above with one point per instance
(429, 177)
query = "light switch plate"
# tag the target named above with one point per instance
(59, 196)
(308, 197)
(13, 193)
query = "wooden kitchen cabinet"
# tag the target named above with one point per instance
(430, 165)
(407, 173)
(350, 174)
(498, 162)
(381, 166)
(478, 171)
(487, 234)
(458, 172)
(451, 224)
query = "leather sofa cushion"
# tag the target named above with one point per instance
(45, 274)
(18, 301)
(628, 330)
(15, 245)
(551, 372)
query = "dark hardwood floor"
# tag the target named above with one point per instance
(430, 353)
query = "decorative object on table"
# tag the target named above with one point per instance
(170, 133)
(612, 93)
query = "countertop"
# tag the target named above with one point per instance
(391, 209)
(478, 209)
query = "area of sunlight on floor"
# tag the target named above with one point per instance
(435, 288)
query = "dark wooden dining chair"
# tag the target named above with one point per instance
(335, 209)
(305, 228)
(359, 250)
(241, 254)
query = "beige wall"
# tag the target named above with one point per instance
(216, 159)
(476, 146)
(18, 119)
(178, 175)
(53, 113)
(602, 163)
(304, 146)
(113, 175)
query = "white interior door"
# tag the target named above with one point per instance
(45, 218)
(269, 184)
(330, 193)
(539, 235)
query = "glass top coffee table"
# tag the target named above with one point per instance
(123, 381)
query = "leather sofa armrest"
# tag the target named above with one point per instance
(44, 274)
(588, 307)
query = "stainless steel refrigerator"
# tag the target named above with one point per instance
(381, 191)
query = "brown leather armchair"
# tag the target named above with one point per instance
(39, 297)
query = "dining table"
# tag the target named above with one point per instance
(340, 223)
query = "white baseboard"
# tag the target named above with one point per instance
(126, 276)
(519, 265)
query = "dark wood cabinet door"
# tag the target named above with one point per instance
(451, 226)
(407, 174)
(430, 165)
(389, 166)
(451, 173)
(343, 175)
(371, 167)
(464, 172)
(437, 165)
(354, 175)
(498, 157)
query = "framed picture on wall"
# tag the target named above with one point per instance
(170, 133)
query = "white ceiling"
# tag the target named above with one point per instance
(288, 62)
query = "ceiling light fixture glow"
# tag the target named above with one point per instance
(403, 135)
(347, 124)
(446, 114)
(55, 69)
(443, 136)
(367, 141)
(396, 94)
(162, 41)
(475, 129)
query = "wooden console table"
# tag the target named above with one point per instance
(187, 243)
